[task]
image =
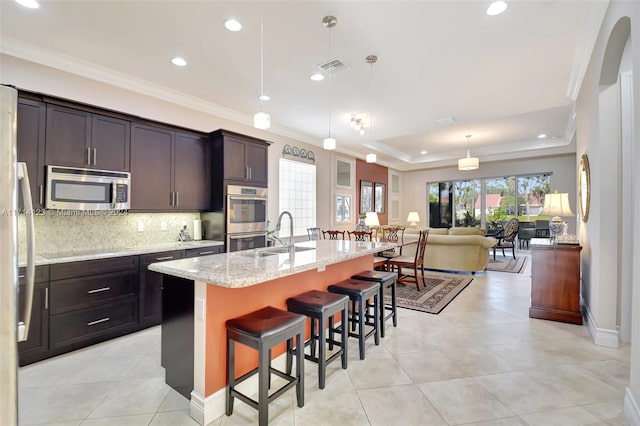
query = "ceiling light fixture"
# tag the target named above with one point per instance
(262, 120)
(371, 59)
(329, 142)
(264, 97)
(31, 4)
(356, 124)
(232, 25)
(496, 8)
(469, 162)
(178, 61)
(317, 77)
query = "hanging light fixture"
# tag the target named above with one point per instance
(371, 59)
(468, 162)
(329, 142)
(262, 120)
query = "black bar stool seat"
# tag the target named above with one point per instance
(386, 279)
(262, 330)
(320, 306)
(360, 293)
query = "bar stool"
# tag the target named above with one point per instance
(360, 293)
(262, 330)
(386, 279)
(320, 306)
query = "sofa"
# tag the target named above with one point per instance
(453, 249)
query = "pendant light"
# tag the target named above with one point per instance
(371, 59)
(468, 162)
(329, 142)
(262, 120)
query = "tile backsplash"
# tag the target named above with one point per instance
(58, 232)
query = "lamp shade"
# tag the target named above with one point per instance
(557, 204)
(329, 143)
(468, 163)
(413, 218)
(261, 120)
(371, 158)
(372, 219)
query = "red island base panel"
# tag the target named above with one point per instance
(225, 303)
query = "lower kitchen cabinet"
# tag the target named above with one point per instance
(36, 347)
(151, 287)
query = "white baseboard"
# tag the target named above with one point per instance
(631, 408)
(602, 336)
(205, 410)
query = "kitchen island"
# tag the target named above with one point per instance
(200, 294)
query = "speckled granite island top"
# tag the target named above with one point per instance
(250, 267)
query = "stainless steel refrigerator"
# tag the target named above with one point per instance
(13, 178)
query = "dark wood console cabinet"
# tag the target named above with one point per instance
(555, 282)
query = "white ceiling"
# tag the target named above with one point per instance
(504, 78)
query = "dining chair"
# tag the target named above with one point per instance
(393, 234)
(333, 235)
(313, 233)
(415, 262)
(360, 235)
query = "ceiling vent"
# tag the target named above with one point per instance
(333, 66)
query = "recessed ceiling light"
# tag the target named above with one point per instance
(542, 136)
(317, 77)
(423, 152)
(496, 8)
(264, 97)
(181, 62)
(232, 25)
(31, 4)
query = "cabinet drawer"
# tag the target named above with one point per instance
(205, 251)
(79, 293)
(79, 326)
(63, 271)
(147, 259)
(41, 274)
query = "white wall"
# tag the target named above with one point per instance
(597, 133)
(564, 169)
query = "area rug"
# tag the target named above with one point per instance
(507, 264)
(441, 289)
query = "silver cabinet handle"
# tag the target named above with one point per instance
(98, 290)
(88, 156)
(98, 321)
(21, 276)
(177, 199)
(248, 173)
(164, 258)
(46, 298)
(24, 323)
(41, 194)
(203, 253)
(95, 155)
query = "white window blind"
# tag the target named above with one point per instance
(297, 196)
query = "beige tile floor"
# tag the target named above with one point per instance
(482, 361)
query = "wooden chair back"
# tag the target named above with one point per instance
(333, 235)
(313, 233)
(360, 235)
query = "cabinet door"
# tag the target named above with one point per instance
(151, 168)
(37, 345)
(68, 137)
(204, 251)
(110, 143)
(257, 163)
(235, 166)
(151, 287)
(30, 134)
(192, 172)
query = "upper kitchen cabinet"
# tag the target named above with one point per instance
(169, 170)
(30, 142)
(78, 138)
(239, 158)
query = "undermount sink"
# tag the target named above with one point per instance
(272, 251)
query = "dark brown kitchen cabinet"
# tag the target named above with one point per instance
(31, 124)
(205, 251)
(36, 347)
(91, 301)
(239, 158)
(169, 170)
(78, 138)
(151, 287)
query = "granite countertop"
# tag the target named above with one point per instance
(106, 252)
(250, 267)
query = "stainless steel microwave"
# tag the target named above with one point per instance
(87, 189)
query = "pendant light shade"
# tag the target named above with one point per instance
(329, 143)
(468, 162)
(371, 158)
(371, 59)
(262, 120)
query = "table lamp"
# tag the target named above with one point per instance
(372, 221)
(413, 218)
(557, 205)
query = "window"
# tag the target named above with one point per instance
(343, 208)
(467, 202)
(297, 196)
